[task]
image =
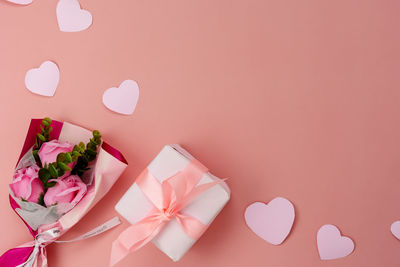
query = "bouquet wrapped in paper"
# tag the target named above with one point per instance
(62, 172)
(172, 203)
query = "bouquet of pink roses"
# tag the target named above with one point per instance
(63, 171)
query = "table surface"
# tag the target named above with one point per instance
(298, 99)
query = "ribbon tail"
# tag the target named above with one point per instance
(191, 226)
(43, 257)
(118, 252)
(135, 237)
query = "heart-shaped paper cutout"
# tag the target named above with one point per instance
(395, 229)
(71, 18)
(331, 244)
(123, 99)
(273, 221)
(43, 80)
(20, 2)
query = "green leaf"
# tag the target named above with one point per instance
(47, 120)
(91, 145)
(61, 157)
(41, 200)
(44, 175)
(51, 184)
(96, 134)
(84, 160)
(61, 173)
(91, 152)
(53, 171)
(87, 152)
(64, 166)
(68, 158)
(36, 156)
(41, 137)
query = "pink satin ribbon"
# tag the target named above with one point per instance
(32, 253)
(168, 198)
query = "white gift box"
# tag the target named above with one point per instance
(172, 240)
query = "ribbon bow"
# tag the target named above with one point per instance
(39, 244)
(168, 199)
(31, 252)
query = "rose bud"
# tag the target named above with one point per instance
(27, 185)
(70, 189)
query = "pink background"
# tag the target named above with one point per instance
(298, 99)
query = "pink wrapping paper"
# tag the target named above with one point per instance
(108, 167)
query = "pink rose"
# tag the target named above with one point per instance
(49, 151)
(70, 189)
(27, 185)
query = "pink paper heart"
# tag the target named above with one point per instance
(43, 80)
(71, 18)
(273, 221)
(123, 99)
(331, 244)
(395, 229)
(21, 2)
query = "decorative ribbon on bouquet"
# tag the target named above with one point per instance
(168, 198)
(29, 254)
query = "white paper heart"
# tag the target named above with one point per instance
(43, 80)
(273, 221)
(21, 2)
(71, 18)
(122, 99)
(331, 244)
(395, 229)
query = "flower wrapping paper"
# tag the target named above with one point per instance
(172, 240)
(105, 171)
